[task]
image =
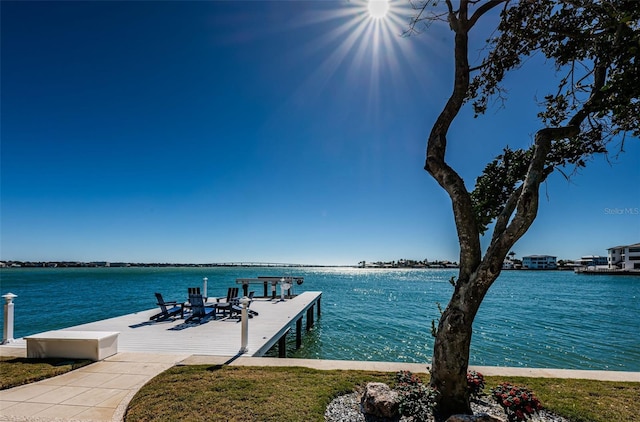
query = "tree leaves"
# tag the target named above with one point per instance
(595, 47)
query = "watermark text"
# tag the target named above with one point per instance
(622, 211)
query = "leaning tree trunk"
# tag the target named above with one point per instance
(452, 345)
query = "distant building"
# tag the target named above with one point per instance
(593, 260)
(625, 257)
(539, 262)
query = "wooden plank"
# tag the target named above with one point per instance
(220, 337)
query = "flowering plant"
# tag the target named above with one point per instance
(407, 377)
(475, 383)
(518, 402)
(415, 398)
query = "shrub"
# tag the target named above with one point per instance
(415, 398)
(518, 402)
(475, 383)
(407, 377)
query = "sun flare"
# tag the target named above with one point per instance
(378, 8)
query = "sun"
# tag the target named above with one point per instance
(378, 8)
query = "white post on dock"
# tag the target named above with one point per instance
(282, 289)
(7, 332)
(204, 288)
(284, 286)
(245, 324)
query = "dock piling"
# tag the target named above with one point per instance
(310, 318)
(282, 344)
(299, 333)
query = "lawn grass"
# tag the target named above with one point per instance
(302, 394)
(582, 400)
(244, 393)
(18, 371)
(231, 393)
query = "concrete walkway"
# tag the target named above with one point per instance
(102, 391)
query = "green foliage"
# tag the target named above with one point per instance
(581, 37)
(475, 383)
(498, 181)
(518, 402)
(595, 47)
(417, 399)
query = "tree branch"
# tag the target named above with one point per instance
(484, 9)
(503, 219)
(599, 79)
(527, 206)
(447, 178)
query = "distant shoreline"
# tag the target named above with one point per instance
(105, 264)
(64, 264)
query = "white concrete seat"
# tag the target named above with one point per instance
(94, 345)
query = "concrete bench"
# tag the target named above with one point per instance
(94, 345)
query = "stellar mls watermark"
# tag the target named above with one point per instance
(622, 211)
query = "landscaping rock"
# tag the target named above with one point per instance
(380, 400)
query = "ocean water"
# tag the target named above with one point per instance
(552, 319)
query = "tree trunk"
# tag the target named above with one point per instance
(453, 341)
(450, 357)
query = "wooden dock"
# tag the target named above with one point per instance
(219, 337)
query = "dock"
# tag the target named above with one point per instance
(213, 337)
(606, 271)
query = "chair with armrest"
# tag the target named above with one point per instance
(232, 299)
(199, 310)
(167, 309)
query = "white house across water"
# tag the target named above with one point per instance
(625, 257)
(539, 262)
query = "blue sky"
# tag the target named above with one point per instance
(289, 132)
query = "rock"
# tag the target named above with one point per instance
(481, 417)
(380, 400)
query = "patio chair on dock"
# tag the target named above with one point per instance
(236, 309)
(199, 310)
(232, 299)
(165, 311)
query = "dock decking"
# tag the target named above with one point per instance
(221, 337)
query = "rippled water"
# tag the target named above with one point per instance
(528, 319)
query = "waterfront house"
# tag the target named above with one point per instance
(594, 261)
(508, 264)
(626, 257)
(539, 262)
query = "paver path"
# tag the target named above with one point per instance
(100, 391)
